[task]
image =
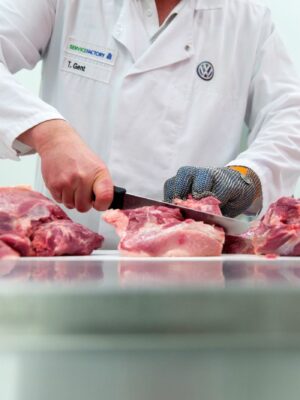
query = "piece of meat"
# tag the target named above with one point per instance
(21, 209)
(7, 252)
(279, 230)
(242, 244)
(162, 232)
(24, 213)
(208, 204)
(21, 244)
(64, 237)
(186, 239)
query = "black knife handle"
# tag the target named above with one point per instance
(118, 200)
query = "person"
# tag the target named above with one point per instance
(134, 91)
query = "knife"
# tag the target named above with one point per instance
(124, 201)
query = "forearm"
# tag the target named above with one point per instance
(46, 134)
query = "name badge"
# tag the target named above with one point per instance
(86, 69)
(88, 60)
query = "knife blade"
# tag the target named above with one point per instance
(125, 201)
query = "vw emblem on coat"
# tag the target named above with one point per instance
(206, 70)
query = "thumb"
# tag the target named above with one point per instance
(103, 192)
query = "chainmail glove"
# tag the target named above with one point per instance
(236, 191)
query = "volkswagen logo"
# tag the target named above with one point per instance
(206, 71)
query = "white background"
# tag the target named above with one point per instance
(286, 14)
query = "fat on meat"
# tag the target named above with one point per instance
(207, 204)
(162, 232)
(31, 225)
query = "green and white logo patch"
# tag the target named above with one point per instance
(90, 51)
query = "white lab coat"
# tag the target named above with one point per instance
(144, 109)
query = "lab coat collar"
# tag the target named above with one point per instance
(127, 27)
(169, 47)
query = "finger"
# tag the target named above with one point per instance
(83, 198)
(203, 183)
(57, 196)
(68, 198)
(103, 191)
(169, 190)
(184, 181)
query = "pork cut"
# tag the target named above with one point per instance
(242, 244)
(277, 232)
(7, 252)
(62, 237)
(162, 232)
(32, 225)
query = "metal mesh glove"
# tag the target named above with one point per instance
(235, 191)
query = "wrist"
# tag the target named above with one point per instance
(45, 134)
(249, 174)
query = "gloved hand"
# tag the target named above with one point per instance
(235, 190)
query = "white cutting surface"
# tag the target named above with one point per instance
(114, 255)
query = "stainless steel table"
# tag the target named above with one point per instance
(105, 327)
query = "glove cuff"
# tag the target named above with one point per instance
(249, 174)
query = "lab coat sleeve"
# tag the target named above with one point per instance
(273, 118)
(25, 31)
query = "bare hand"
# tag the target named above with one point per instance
(74, 175)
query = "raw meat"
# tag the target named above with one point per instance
(31, 225)
(63, 237)
(20, 244)
(279, 230)
(162, 232)
(7, 252)
(208, 204)
(242, 244)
